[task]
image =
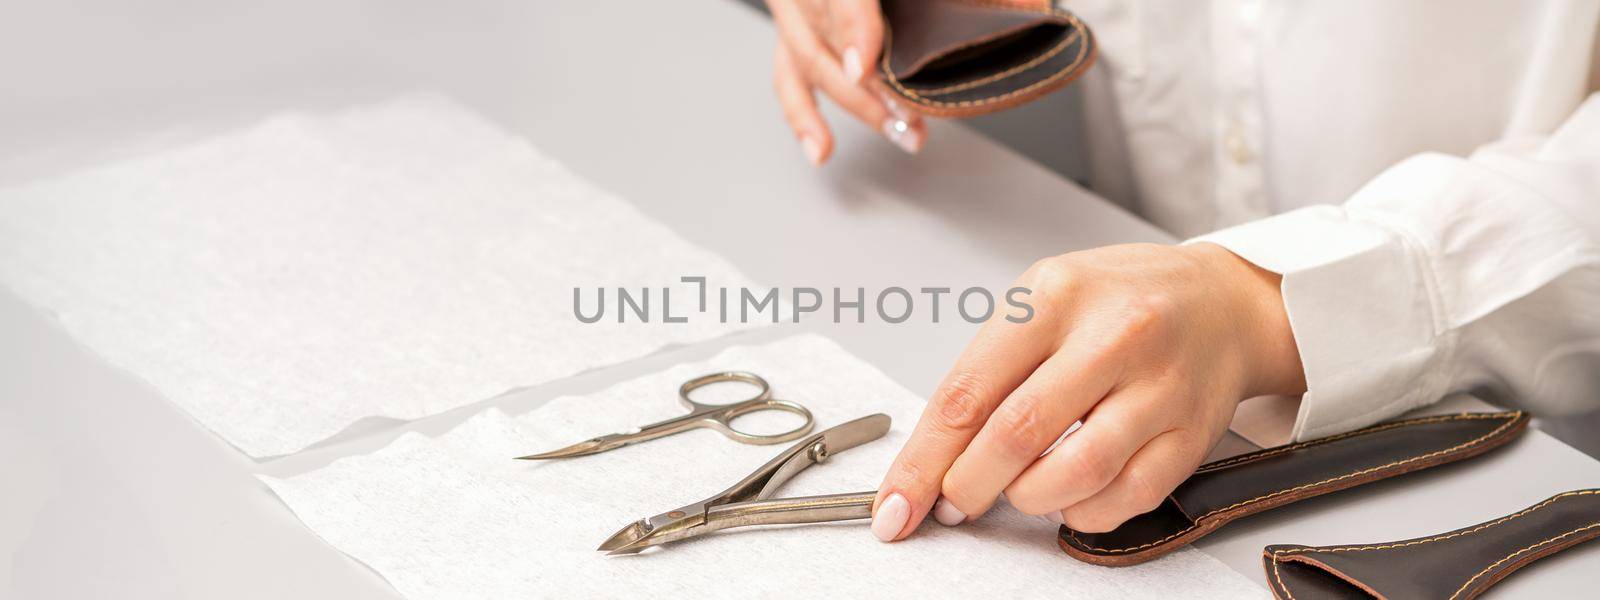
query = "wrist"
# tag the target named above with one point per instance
(1271, 356)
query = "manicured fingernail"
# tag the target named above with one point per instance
(947, 514)
(891, 517)
(852, 65)
(1055, 517)
(812, 149)
(902, 134)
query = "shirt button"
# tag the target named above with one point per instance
(1237, 148)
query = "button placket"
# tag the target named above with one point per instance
(1239, 181)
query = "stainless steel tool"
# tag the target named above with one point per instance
(715, 416)
(749, 502)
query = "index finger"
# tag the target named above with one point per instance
(856, 36)
(996, 361)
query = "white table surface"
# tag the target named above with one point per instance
(110, 491)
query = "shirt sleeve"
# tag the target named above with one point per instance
(1442, 274)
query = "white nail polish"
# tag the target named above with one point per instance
(947, 514)
(812, 149)
(852, 65)
(892, 515)
(902, 134)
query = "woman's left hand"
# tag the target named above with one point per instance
(1151, 347)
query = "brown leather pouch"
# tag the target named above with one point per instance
(1222, 491)
(1457, 564)
(962, 58)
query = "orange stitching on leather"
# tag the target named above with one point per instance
(1510, 419)
(888, 38)
(1030, 63)
(1277, 555)
(1437, 538)
(1243, 458)
(1288, 595)
(1513, 554)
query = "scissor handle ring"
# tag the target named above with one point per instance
(705, 380)
(723, 421)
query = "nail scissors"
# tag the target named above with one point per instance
(747, 503)
(715, 416)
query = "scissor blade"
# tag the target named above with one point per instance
(583, 448)
(623, 538)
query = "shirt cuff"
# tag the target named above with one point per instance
(1362, 303)
(1386, 292)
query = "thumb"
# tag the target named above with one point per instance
(857, 36)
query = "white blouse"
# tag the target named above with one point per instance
(1424, 174)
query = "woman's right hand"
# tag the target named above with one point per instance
(834, 46)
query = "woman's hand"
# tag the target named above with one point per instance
(1151, 347)
(834, 45)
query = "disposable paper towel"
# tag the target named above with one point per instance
(456, 517)
(398, 260)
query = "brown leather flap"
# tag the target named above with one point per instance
(964, 58)
(934, 35)
(1456, 564)
(1225, 490)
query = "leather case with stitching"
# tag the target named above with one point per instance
(962, 58)
(1222, 491)
(1457, 564)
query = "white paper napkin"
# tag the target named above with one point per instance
(397, 260)
(455, 517)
